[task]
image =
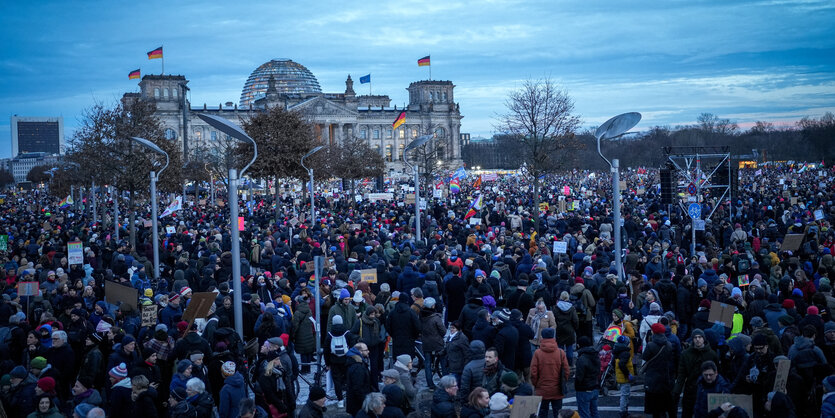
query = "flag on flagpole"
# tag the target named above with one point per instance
(176, 205)
(460, 173)
(365, 79)
(477, 183)
(454, 186)
(66, 202)
(401, 119)
(474, 207)
(133, 74)
(156, 53)
(424, 62)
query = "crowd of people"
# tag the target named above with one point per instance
(476, 312)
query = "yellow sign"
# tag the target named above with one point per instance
(543, 207)
(369, 275)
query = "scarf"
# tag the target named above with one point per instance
(535, 323)
(491, 370)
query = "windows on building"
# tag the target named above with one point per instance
(198, 134)
(440, 133)
(376, 134)
(388, 153)
(401, 133)
(156, 92)
(174, 93)
(388, 133)
(414, 132)
(165, 93)
(363, 133)
(213, 135)
(400, 149)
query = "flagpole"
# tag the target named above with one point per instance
(430, 65)
(163, 60)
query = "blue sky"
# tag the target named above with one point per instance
(768, 60)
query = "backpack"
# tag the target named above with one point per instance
(578, 303)
(339, 345)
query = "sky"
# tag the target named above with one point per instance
(770, 60)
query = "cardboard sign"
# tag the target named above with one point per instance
(294, 221)
(409, 199)
(819, 214)
(560, 247)
(75, 252)
(369, 275)
(746, 402)
(783, 367)
(149, 315)
(28, 288)
(116, 294)
(721, 313)
(525, 406)
(793, 200)
(202, 202)
(791, 242)
(147, 224)
(199, 306)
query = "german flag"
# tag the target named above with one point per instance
(423, 62)
(401, 119)
(157, 53)
(133, 74)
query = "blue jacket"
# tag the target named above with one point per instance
(231, 395)
(719, 386)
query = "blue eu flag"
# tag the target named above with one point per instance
(365, 79)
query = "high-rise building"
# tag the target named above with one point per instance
(37, 134)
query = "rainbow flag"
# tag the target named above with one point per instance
(133, 74)
(423, 62)
(474, 207)
(66, 202)
(401, 119)
(156, 53)
(454, 186)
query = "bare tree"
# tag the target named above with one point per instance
(711, 124)
(540, 118)
(355, 160)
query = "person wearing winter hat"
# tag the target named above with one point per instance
(184, 368)
(499, 407)
(178, 403)
(345, 309)
(315, 405)
(587, 373)
(232, 392)
(120, 388)
(549, 370)
(82, 410)
(689, 370)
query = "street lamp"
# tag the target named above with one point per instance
(610, 129)
(310, 172)
(229, 128)
(154, 221)
(419, 141)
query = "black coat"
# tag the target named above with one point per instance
(524, 355)
(454, 290)
(457, 353)
(146, 404)
(358, 382)
(507, 342)
(587, 370)
(658, 375)
(403, 325)
(484, 332)
(469, 315)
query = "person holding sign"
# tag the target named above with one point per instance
(757, 374)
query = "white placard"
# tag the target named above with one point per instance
(560, 247)
(437, 193)
(373, 197)
(75, 252)
(170, 229)
(358, 198)
(422, 204)
(819, 214)
(475, 221)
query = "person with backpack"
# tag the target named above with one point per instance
(337, 343)
(567, 322)
(583, 301)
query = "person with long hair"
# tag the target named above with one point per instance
(478, 404)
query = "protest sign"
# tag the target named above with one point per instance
(783, 367)
(792, 242)
(525, 406)
(4, 242)
(28, 288)
(149, 315)
(819, 214)
(170, 230)
(199, 306)
(116, 294)
(743, 280)
(560, 247)
(369, 275)
(721, 313)
(241, 223)
(409, 199)
(475, 221)
(75, 252)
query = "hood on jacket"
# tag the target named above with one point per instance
(564, 306)
(477, 350)
(548, 345)
(236, 380)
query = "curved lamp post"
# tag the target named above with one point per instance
(418, 142)
(154, 219)
(310, 172)
(614, 128)
(229, 128)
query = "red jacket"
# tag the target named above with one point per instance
(548, 366)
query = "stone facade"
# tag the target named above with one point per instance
(334, 116)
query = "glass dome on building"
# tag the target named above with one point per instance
(290, 77)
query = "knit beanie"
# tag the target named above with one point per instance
(47, 384)
(498, 402)
(38, 363)
(119, 372)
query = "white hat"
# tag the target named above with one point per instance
(498, 402)
(358, 296)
